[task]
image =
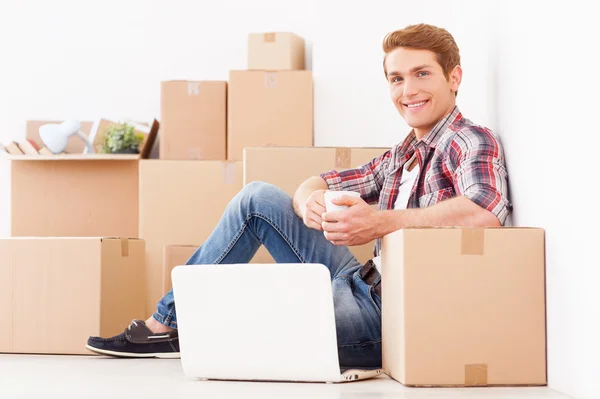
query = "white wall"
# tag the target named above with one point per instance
(529, 74)
(548, 99)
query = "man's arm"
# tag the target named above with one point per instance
(360, 224)
(459, 211)
(304, 191)
(366, 179)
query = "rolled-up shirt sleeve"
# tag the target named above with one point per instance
(477, 159)
(366, 179)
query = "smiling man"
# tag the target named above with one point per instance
(446, 172)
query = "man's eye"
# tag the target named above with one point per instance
(396, 79)
(422, 73)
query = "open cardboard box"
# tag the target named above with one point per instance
(75, 146)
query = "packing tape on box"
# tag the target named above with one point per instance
(124, 247)
(193, 88)
(343, 158)
(472, 241)
(271, 80)
(229, 172)
(476, 375)
(270, 37)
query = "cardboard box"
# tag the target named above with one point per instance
(73, 195)
(174, 255)
(288, 167)
(269, 109)
(193, 118)
(181, 202)
(464, 307)
(56, 292)
(74, 146)
(275, 51)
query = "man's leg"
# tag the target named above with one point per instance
(261, 214)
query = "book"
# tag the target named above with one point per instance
(13, 149)
(29, 147)
(45, 151)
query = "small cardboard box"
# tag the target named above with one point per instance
(464, 306)
(269, 109)
(288, 167)
(181, 202)
(193, 119)
(275, 51)
(174, 255)
(56, 292)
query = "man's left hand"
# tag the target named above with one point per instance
(356, 225)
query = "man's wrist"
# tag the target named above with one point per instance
(388, 221)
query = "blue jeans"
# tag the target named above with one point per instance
(263, 214)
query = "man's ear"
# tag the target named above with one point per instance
(455, 78)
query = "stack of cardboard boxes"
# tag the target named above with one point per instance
(461, 306)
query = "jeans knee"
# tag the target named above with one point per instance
(257, 194)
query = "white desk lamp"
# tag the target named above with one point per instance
(56, 136)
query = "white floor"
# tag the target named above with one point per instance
(99, 377)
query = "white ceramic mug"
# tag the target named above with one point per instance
(330, 195)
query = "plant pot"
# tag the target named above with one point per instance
(128, 151)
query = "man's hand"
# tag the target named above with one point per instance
(356, 225)
(313, 209)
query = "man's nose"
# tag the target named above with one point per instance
(409, 88)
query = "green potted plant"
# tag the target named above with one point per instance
(121, 138)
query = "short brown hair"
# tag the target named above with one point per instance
(425, 37)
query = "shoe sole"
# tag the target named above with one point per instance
(170, 355)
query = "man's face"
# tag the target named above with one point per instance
(419, 89)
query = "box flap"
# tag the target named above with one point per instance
(75, 157)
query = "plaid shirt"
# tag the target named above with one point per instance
(457, 158)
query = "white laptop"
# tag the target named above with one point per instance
(262, 322)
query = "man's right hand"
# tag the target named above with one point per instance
(314, 207)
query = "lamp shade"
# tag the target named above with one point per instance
(55, 136)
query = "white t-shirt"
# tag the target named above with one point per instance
(406, 185)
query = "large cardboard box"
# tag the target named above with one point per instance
(193, 119)
(269, 109)
(181, 202)
(464, 306)
(73, 195)
(174, 255)
(275, 51)
(56, 292)
(288, 167)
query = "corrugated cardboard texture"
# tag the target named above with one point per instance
(288, 167)
(74, 145)
(83, 198)
(446, 315)
(269, 109)
(193, 119)
(174, 255)
(123, 290)
(180, 204)
(56, 292)
(275, 51)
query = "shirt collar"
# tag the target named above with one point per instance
(432, 138)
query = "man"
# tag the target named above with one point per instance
(447, 172)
